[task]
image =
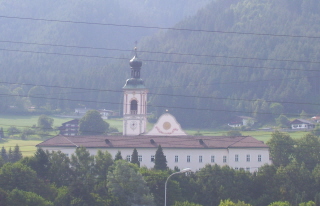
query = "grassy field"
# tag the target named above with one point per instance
(260, 135)
(26, 121)
(28, 146)
(117, 123)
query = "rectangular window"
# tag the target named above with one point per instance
(259, 158)
(248, 158)
(200, 158)
(248, 169)
(188, 158)
(152, 158)
(129, 158)
(224, 158)
(212, 158)
(176, 158)
(140, 158)
(236, 168)
(236, 158)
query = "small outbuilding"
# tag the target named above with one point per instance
(240, 121)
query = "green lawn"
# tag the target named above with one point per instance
(260, 135)
(26, 121)
(117, 123)
(27, 147)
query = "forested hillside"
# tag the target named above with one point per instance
(232, 72)
(230, 58)
(73, 43)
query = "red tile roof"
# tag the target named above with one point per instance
(146, 142)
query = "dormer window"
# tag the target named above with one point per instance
(134, 107)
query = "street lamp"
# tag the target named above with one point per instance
(165, 185)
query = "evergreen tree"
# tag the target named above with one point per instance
(4, 154)
(118, 156)
(59, 171)
(134, 158)
(16, 155)
(1, 163)
(40, 163)
(103, 160)
(160, 161)
(1, 133)
(83, 177)
(304, 115)
(10, 155)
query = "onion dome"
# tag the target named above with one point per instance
(135, 82)
(135, 62)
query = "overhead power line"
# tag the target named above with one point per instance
(162, 61)
(160, 94)
(157, 106)
(162, 28)
(158, 52)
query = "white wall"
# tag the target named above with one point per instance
(139, 119)
(253, 164)
(194, 154)
(299, 126)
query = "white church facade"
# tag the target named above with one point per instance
(181, 150)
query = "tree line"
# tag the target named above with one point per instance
(53, 178)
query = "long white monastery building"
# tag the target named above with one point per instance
(181, 150)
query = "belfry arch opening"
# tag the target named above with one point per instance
(133, 107)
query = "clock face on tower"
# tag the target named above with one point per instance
(133, 125)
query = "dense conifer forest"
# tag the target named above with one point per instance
(230, 58)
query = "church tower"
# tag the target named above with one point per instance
(134, 101)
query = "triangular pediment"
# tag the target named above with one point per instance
(167, 125)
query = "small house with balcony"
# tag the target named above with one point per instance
(70, 128)
(302, 124)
